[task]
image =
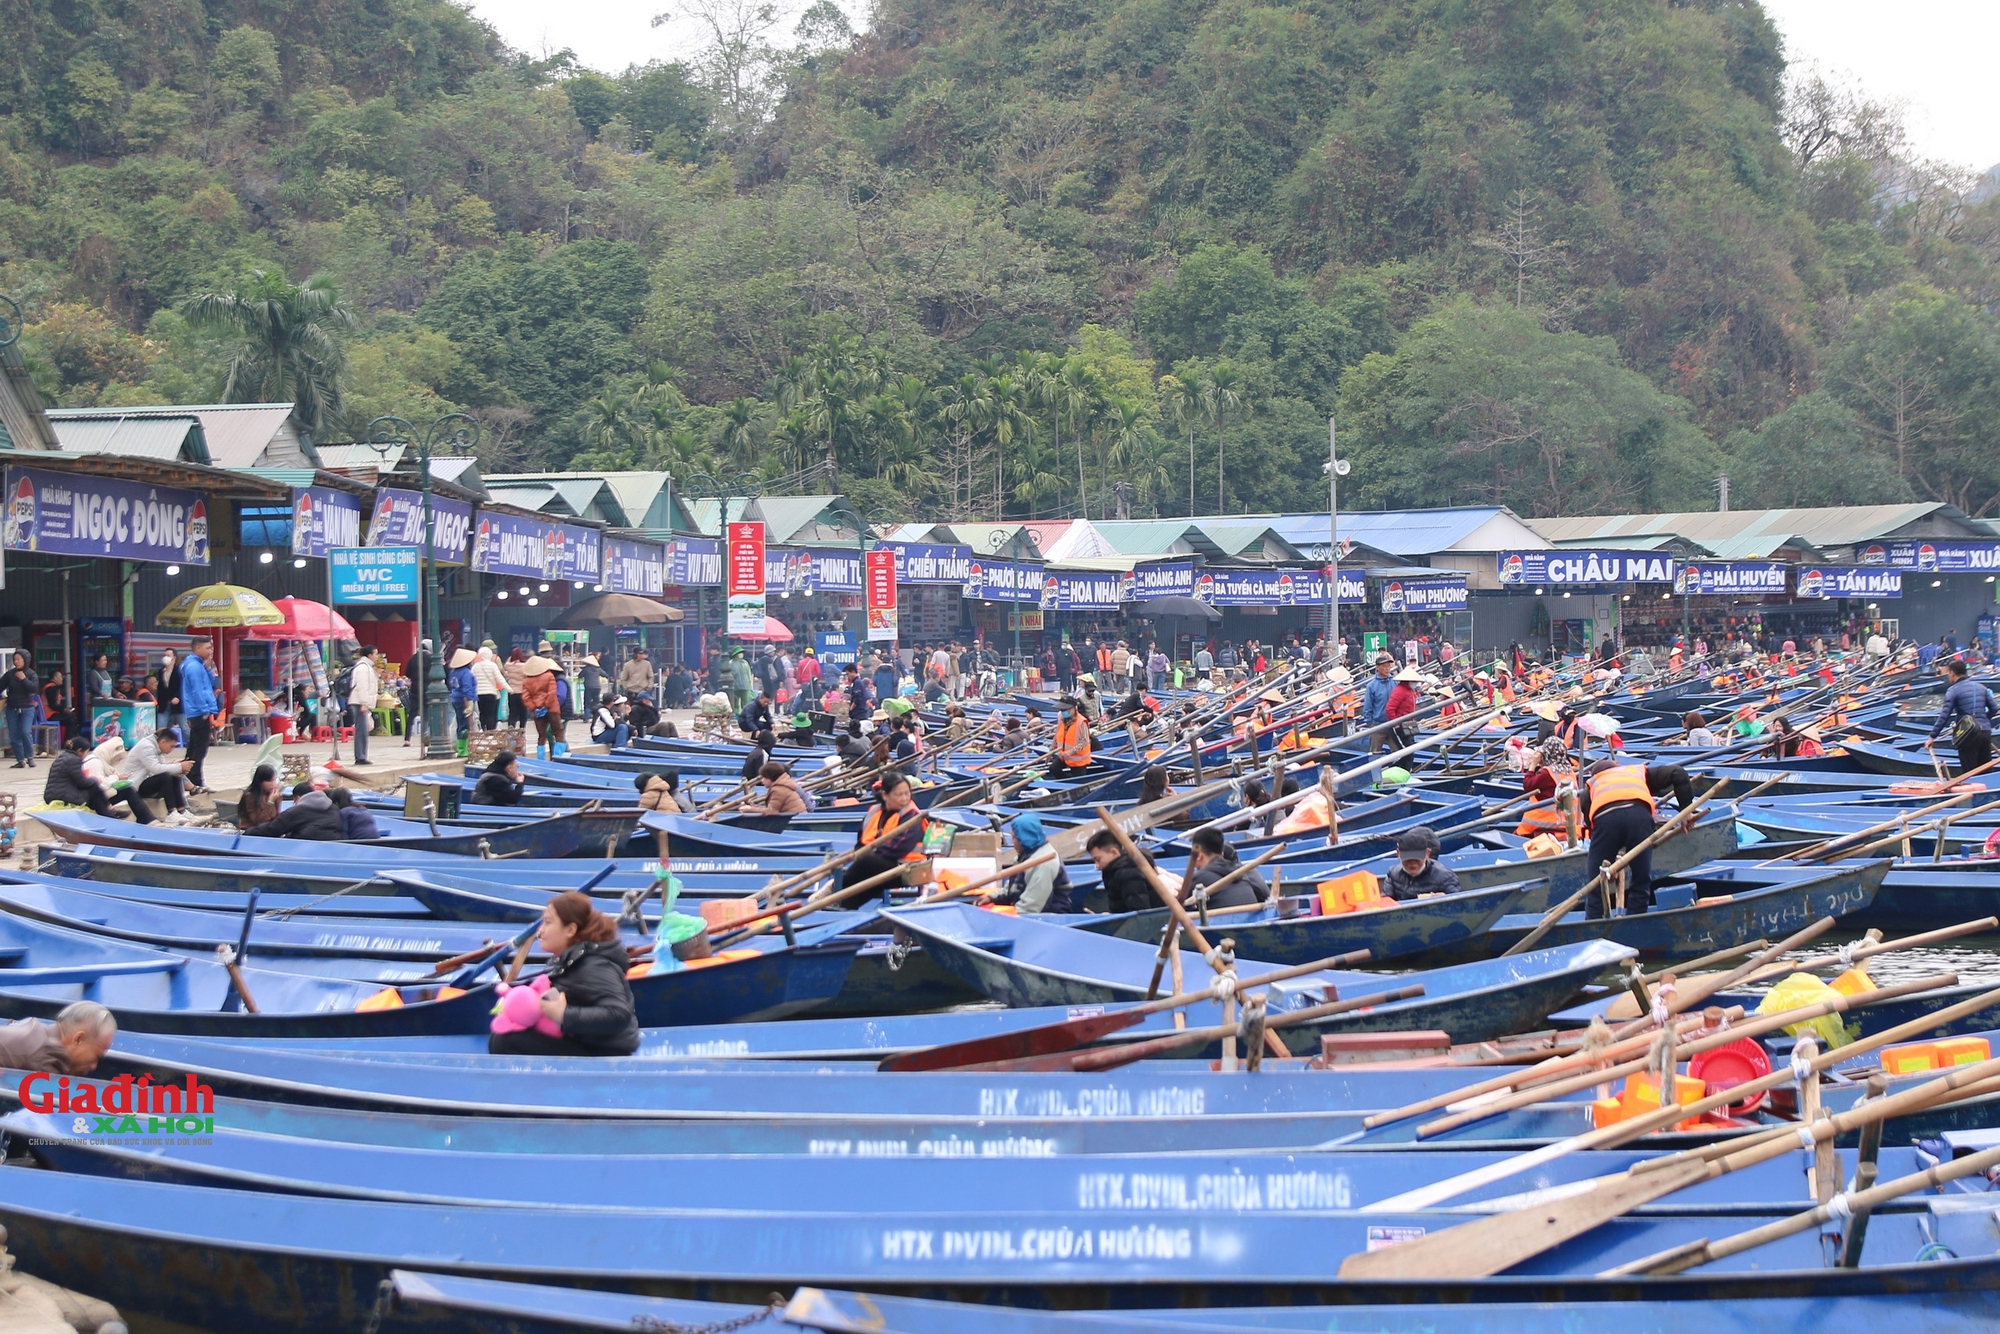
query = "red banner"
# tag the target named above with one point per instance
(881, 582)
(746, 558)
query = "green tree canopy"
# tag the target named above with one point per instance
(290, 348)
(1482, 404)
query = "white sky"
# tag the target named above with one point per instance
(1938, 56)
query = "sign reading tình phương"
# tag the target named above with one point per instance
(1422, 593)
(743, 571)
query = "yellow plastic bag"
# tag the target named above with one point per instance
(1543, 845)
(1804, 989)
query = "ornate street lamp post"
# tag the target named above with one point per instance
(461, 432)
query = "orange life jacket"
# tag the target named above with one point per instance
(1627, 782)
(1073, 742)
(881, 821)
(1547, 820)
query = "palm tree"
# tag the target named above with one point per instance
(1220, 390)
(742, 422)
(1183, 407)
(291, 350)
(1136, 454)
(610, 425)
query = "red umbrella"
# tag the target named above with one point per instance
(304, 619)
(774, 630)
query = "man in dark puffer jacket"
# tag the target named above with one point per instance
(1126, 888)
(312, 816)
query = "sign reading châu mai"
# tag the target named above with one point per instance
(1585, 567)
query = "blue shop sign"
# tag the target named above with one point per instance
(371, 575)
(1849, 581)
(1585, 567)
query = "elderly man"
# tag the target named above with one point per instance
(72, 1045)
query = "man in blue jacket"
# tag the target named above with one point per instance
(1375, 701)
(199, 706)
(1968, 715)
(888, 681)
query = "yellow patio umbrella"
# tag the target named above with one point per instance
(219, 607)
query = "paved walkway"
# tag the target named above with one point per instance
(227, 769)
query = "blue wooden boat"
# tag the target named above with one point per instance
(704, 838)
(110, 866)
(47, 967)
(246, 1260)
(1222, 1183)
(1740, 903)
(607, 1087)
(1024, 962)
(166, 992)
(356, 904)
(1832, 822)
(161, 927)
(1918, 894)
(1484, 867)
(560, 1134)
(456, 898)
(574, 833)
(1909, 761)
(448, 1303)
(1390, 932)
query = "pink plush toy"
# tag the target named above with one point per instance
(521, 1008)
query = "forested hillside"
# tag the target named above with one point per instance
(1098, 257)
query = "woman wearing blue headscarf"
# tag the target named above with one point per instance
(1043, 887)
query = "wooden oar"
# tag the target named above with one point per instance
(1753, 1028)
(1124, 1053)
(1903, 835)
(1863, 953)
(1499, 1242)
(1627, 1038)
(226, 956)
(1047, 1037)
(1152, 878)
(1632, 1128)
(1700, 989)
(758, 923)
(1682, 821)
(1854, 1204)
(479, 964)
(1830, 845)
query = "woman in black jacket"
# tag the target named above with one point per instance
(67, 783)
(501, 784)
(588, 996)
